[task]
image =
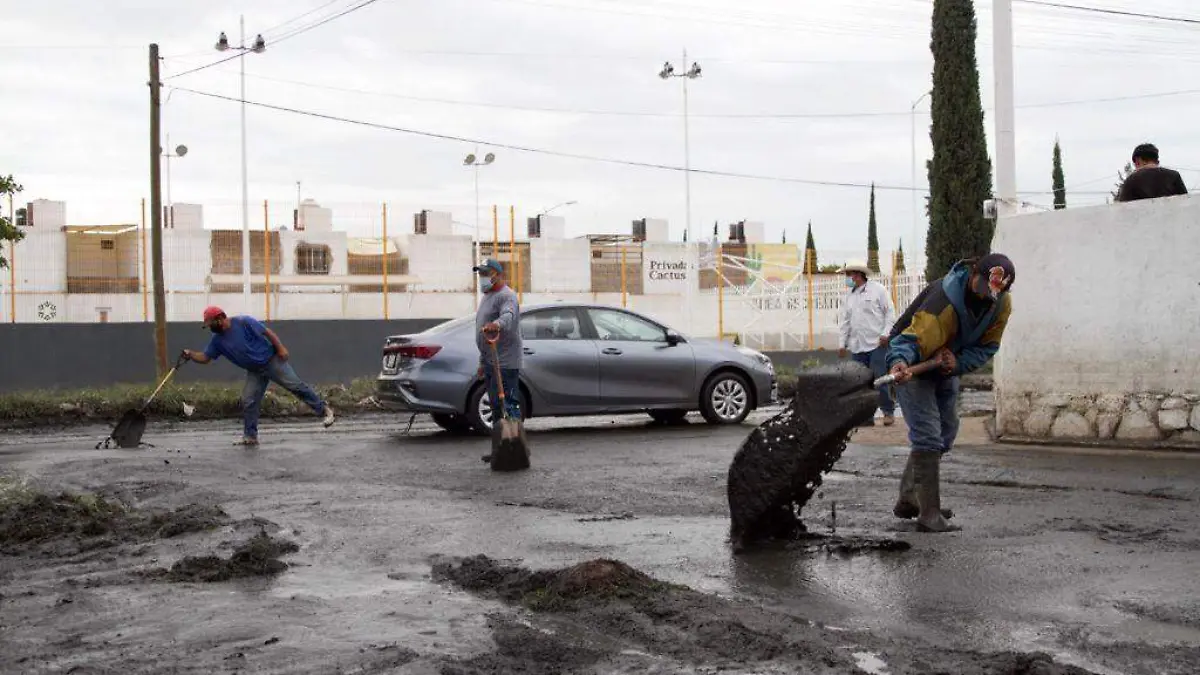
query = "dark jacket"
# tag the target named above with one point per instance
(938, 317)
(1151, 182)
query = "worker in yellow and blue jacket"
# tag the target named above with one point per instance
(959, 321)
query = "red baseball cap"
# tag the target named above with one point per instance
(211, 313)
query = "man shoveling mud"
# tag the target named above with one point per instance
(957, 320)
(253, 347)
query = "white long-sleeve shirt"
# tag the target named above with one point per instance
(867, 315)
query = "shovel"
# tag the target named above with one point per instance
(510, 452)
(128, 432)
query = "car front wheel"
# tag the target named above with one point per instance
(725, 399)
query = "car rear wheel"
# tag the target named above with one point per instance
(479, 410)
(455, 424)
(725, 399)
(668, 416)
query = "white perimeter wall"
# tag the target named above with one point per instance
(1106, 309)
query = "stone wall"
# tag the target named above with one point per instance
(1159, 419)
(1102, 345)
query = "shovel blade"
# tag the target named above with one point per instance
(510, 452)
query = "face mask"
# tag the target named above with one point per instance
(849, 282)
(486, 283)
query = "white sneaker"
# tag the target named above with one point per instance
(328, 419)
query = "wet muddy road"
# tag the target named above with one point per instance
(1092, 557)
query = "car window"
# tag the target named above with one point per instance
(551, 324)
(614, 325)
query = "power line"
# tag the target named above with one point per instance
(296, 18)
(286, 36)
(647, 113)
(197, 69)
(1112, 12)
(552, 153)
(305, 29)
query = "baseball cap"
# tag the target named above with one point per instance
(211, 313)
(490, 264)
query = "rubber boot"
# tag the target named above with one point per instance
(926, 469)
(906, 505)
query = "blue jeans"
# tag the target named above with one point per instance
(930, 408)
(257, 381)
(511, 377)
(876, 360)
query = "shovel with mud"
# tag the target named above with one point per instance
(510, 451)
(781, 463)
(128, 432)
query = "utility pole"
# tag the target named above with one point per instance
(1006, 148)
(156, 215)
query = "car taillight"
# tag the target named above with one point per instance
(413, 351)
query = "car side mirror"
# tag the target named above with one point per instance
(673, 338)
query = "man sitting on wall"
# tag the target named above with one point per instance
(1149, 180)
(957, 320)
(256, 349)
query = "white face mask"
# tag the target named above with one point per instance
(486, 283)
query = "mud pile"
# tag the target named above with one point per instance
(257, 557)
(604, 612)
(67, 523)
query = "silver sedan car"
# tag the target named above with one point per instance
(579, 359)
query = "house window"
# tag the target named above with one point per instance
(313, 259)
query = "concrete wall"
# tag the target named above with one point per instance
(1103, 343)
(68, 356)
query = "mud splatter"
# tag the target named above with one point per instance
(605, 611)
(67, 523)
(255, 558)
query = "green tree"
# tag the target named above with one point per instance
(810, 253)
(900, 259)
(872, 237)
(960, 172)
(1060, 183)
(8, 230)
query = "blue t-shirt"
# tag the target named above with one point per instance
(245, 344)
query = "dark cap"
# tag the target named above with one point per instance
(490, 264)
(998, 270)
(1146, 152)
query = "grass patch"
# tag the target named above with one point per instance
(205, 401)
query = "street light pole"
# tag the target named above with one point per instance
(556, 206)
(916, 241)
(245, 179)
(692, 73)
(259, 47)
(470, 161)
(667, 72)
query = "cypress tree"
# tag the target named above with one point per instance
(872, 237)
(900, 259)
(960, 172)
(810, 253)
(1059, 182)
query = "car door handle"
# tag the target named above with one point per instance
(611, 350)
(527, 351)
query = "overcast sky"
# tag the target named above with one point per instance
(575, 77)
